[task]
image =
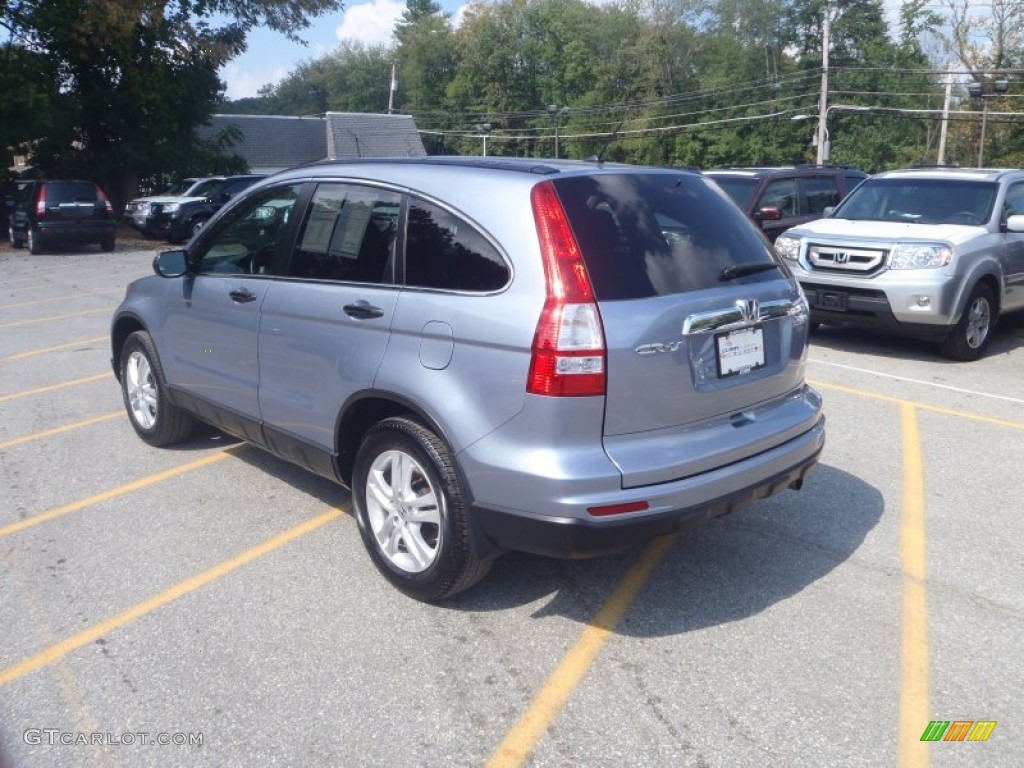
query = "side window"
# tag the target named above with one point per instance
(1014, 204)
(781, 193)
(246, 241)
(443, 251)
(348, 235)
(819, 193)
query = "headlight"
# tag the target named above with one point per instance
(788, 247)
(172, 207)
(920, 256)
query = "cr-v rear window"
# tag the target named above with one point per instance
(655, 234)
(58, 192)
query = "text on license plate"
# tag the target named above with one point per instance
(740, 351)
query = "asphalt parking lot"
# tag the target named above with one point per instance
(210, 605)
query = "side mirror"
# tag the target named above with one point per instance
(768, 213)
(828, 210)
(1015, 223)
(171, 263)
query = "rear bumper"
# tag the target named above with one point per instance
(675, 506)
(75, 232)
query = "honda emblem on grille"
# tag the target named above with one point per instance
(749, 310)
(841, 257)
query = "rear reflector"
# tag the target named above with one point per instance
(618, 509)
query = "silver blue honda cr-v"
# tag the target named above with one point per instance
(553, 357)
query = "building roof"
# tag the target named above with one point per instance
(271, 143)
(355, 134)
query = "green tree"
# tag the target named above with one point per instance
(134, 79)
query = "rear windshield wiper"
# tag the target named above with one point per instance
(746, 268)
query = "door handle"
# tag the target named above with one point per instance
(242, 295)
(363, 310)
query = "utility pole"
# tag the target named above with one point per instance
(391, 93)
(826, 32)
(945, 119)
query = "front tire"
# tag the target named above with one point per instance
(411, 511)
(155, 418)
(968, 339)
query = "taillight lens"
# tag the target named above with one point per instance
(104, 200)
(568, 356)
(41, 202)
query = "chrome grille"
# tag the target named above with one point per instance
(837, 258)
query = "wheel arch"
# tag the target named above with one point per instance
(994, 283)
(360, 412)
(123, 327)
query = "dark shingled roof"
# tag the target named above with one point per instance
(272, 143)
(356, 134)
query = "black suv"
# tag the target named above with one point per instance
(48, 213)
(780, 198)
(180, 219)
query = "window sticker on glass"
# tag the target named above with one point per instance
(740, 351)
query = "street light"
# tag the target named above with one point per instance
(824, 143)
(556, 114)
(485, 130)
(997, 90)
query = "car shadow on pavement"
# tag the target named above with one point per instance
(731, 568)
(1008, 336)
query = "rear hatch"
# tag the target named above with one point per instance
(705, 329)
(73, 204)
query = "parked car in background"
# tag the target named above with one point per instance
(178, 220)
(61, 212)
(137, 211)
(935, 253)
(9, 191)
(782, 197)
(564, 358)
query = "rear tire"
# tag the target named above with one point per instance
(16, 242)
(155, 418)
(35, 247)
(412, 513)
(968, 339)
(108, 244)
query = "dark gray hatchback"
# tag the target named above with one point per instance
(62, 212)
(554, 357)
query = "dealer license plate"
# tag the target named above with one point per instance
(740, 351)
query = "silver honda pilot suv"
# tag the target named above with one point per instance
(934, 253)
(553, 357)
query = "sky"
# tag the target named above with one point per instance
(272, 56)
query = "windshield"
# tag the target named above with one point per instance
(178, 187)
(920, 201)
(203, 188)
(739, 188)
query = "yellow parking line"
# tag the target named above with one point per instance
(914, 654)
(120, 490)
(54, 317)
(66, 297)
(59, 430)
(919, 406)
(44, 350)
(52, 387)
(96, 631)
(519, 742)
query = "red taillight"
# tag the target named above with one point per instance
(41, 202)
(568, 348)
(104, 200)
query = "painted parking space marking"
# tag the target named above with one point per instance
(62, 649)
(920, 382)
(919, 406)
(52, 318)
(60, 430)
(54, 387)
(121, 490)
(46, 350)
(520, 741)
(65, 297)
(915, 657)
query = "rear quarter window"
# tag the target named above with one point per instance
(644, 235)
